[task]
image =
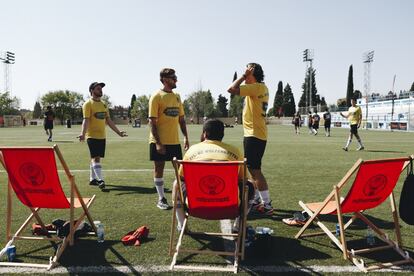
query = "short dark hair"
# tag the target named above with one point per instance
(257, 72)
(166, 72)
(214, 129)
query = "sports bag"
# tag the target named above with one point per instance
(406, 207)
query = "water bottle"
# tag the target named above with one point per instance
(370, 237)
(337, 230)
(100, 231)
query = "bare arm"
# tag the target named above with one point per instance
(183, 127)
(345, 116)
(85, 125)
(112, 125)
(234, 88)
(153, 127)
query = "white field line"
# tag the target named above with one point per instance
(160, 268)
(114, 170)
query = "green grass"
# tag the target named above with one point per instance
(297, 167)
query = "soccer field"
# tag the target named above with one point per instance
(297, 167)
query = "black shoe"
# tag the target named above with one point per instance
(101, 184)
(163, 204)
(94, 182)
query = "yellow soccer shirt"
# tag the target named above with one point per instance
(96, 112)
(167, 108)
(210, 150)
(254, 110)
(354, 114)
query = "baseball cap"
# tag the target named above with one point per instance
(94, 84)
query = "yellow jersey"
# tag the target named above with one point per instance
(167, 108)
(212, 150)
(254, 110)
(354, 114)
(96, 112)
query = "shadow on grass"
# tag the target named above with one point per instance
(385, 151)
(92, 253)
(125, 190)
(271, 251)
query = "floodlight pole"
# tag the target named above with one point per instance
(368, 58)
(308, 58)
(8, 58)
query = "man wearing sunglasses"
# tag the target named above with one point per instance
(166, 113)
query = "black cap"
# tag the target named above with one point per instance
(94, 84)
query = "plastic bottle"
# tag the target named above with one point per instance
(100, 232)
(337, 230)
(370, 237)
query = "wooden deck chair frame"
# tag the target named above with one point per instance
(75, 200)
(334, 197)
(239, 237)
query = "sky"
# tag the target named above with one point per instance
(63, 45)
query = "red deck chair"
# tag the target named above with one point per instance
(374, 183)
(212, 193)
(33, 176)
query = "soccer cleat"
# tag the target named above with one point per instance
(256, 203)
(345, 149)
(360, 148)
(50, 139)
(94, 182)
(101, 184)
(266, 208)
(163, 204)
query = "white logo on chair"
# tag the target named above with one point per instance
(375, 185)
(211, 185)
(32, 174)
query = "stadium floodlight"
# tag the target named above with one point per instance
(308, 58)
(367, 58)
(10, 58)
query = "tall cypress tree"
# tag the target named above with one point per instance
(305, 90)
(350, 87)
(278, 101)
(289, 106)
(412, 87)
(37, 110)
(133, 100)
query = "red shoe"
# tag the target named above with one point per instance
(136, 237)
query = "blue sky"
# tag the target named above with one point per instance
(69, 44)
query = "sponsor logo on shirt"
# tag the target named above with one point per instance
(172, 111)
(100, 115)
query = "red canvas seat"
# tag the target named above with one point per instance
(374, 182)
(211, 193)
(33, 176)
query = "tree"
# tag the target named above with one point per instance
(201, 105)
(323, 104)
(357, 94)
(236, 107)
(305, 90)
(279, 99)
(140, 109)
(131, 105)
(221, 110)
(66, 104)
(350, 87)
(289, 106)
(37, 110)
(412, 87)
(341, 103)
(9, 105)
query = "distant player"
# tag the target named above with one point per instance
(315, 123)
(310, 122)
(327, 122)
(166, 113)
(95, 118)
(48, 122)
(355, 117)
(255, 129)
(297, 122)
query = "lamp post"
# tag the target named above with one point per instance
(368, 58)
(8, 59)
(308, 58)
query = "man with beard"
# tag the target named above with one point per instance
(166, 113)
(95, 118)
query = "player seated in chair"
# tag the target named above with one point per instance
(211, 148)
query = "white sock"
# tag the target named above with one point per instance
(92, 174)
(348, 143)
(97, 168)
(179, 213)
(257, 194)
(264, 195)
(159, 184)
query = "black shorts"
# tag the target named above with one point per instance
(171, 151)
(48, 125)
(254, 149)
(96, 147)
(354, 129)
(315, 126)
(327, 124)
